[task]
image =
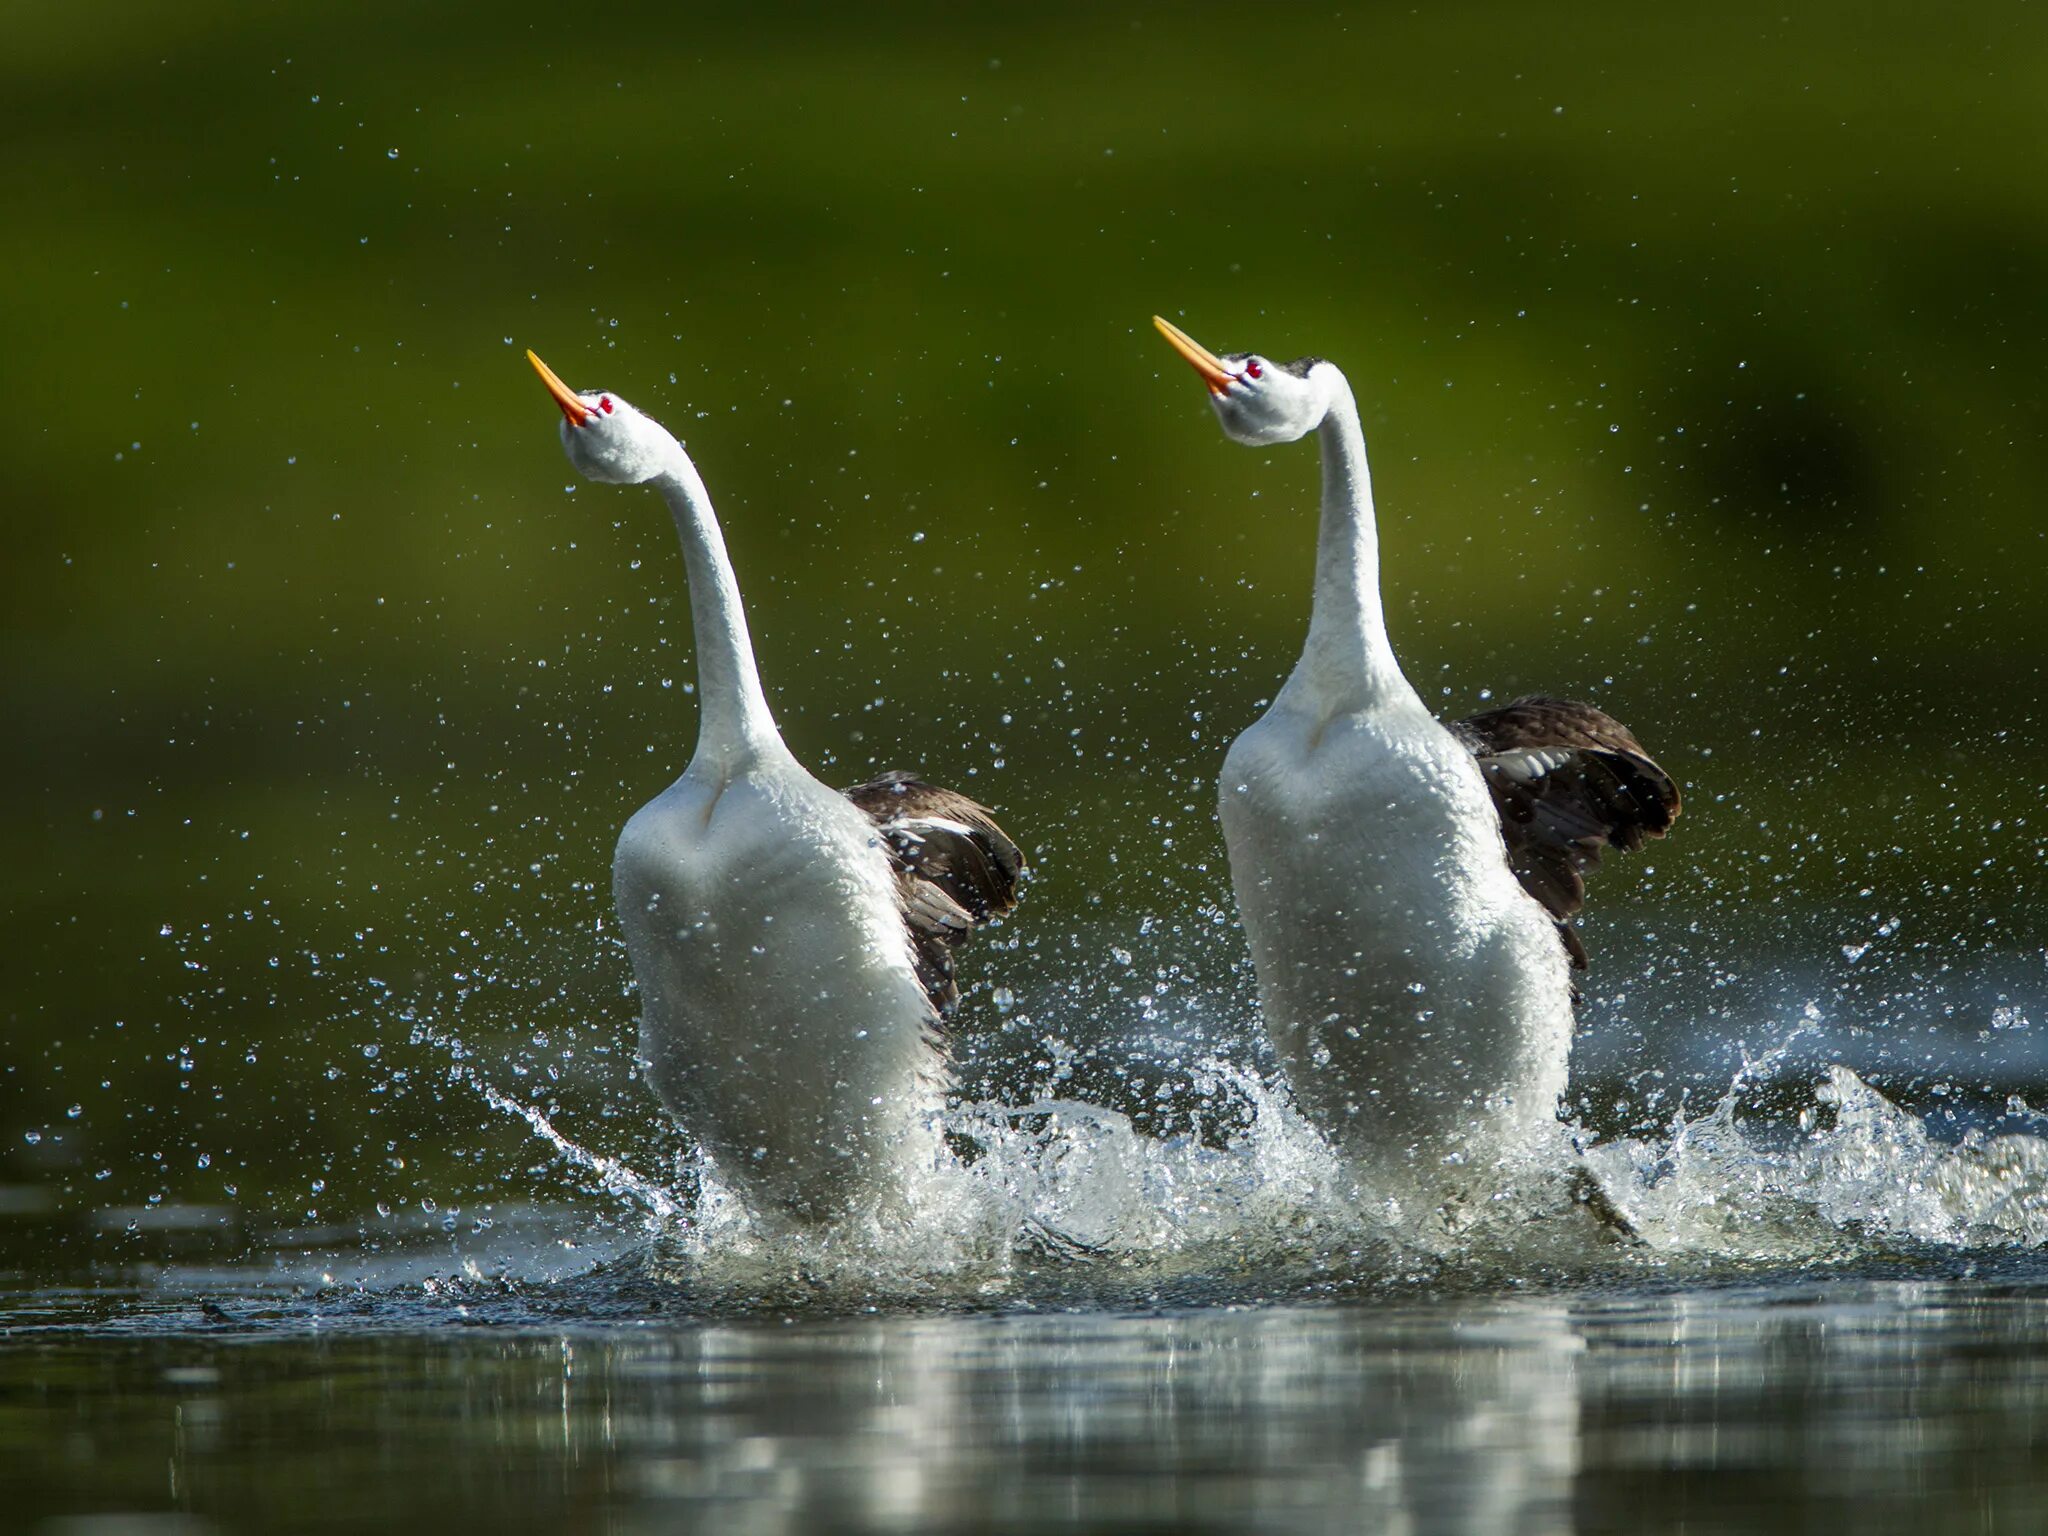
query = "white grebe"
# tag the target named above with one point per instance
(793, 944)
(1385, 864)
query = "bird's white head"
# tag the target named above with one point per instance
(604, 437)
(1260, 402)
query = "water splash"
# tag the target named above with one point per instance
(611, 1176)
(1190, 1167)
(1057, 1197)
(1857, 1175)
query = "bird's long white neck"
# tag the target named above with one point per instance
(734, 725)
(1348, 663)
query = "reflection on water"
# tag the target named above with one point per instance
(1872, 1404)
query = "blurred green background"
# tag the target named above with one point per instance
(1702, 359)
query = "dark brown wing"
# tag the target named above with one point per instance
(955, 869)
(1568, 781)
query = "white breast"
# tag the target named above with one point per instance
(782, 1023)
(1419, 1000)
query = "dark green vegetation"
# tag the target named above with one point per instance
(1703, 365)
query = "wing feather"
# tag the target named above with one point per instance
(955, 870)
(1569, 781)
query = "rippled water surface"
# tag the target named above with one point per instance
(1909, 1399)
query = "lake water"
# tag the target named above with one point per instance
(1911, 1396)
(1763, 1324)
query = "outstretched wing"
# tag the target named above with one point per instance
(1569, 781)
(955, 869)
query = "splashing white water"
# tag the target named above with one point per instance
(1859, 1172)
(611, 1175)
(1057, 1185)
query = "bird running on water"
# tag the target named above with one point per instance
(793, 944)
(1407, 887)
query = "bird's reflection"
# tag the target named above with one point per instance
(1780, 1408)
(1098, 1422)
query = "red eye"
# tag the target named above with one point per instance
(604, 403)
(1252, 370)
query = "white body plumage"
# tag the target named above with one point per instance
(1418, 999)
(782, 1021)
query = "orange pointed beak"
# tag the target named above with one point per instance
(565, 397)
(1199, 357)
